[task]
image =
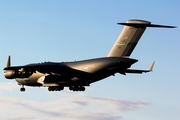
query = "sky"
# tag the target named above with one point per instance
(34, 31)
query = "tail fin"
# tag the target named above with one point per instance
(130, 36)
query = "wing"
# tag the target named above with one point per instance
(140, 71)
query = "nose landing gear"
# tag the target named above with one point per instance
(22, 89)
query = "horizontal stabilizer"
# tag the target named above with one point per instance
(146, 25)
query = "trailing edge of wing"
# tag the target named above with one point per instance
(140, 71)
(146, 25)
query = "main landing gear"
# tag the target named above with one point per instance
(56, 88)
(73, 88)
(77, 88)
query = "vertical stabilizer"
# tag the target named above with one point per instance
(128, 38)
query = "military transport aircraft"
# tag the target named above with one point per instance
(76, 75)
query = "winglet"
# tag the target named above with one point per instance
(8, 62)
(151, 67)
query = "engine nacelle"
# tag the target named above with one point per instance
(12, 74)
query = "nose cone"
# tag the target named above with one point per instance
(9, 74)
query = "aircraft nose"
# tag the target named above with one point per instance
(9, 74)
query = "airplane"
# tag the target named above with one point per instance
(79, 74)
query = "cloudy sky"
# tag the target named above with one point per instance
(34, 31)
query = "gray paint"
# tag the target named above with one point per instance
(128, 39)
(77, 74)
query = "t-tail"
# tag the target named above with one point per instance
(130, 36)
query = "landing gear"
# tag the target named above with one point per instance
(22, 89)
(50, 89)
(73, 88)
(56, 88)
(77, 88)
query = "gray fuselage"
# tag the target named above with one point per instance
(86, 71)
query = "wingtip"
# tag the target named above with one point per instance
(151, 67)
(8, 62)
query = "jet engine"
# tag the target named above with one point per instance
(12, 74)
